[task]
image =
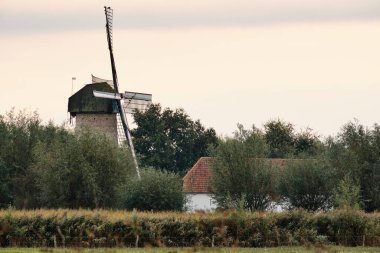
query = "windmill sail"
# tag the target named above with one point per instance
(109, 19)
(133, 101)
(95, 79)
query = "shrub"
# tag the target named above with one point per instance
(347, 194)
(308, 184)
(157, 190)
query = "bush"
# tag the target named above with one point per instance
(347, 194)
(308, 184)
(157, 190)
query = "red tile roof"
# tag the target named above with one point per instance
(197, 179)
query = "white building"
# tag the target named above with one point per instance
(196, 185)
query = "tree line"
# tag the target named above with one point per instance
(48, 166)
(316, 174)
(44, 165)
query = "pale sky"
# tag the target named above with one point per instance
(314, 63)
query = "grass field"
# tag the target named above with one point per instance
(322, 249)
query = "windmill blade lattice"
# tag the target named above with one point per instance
(109, 24)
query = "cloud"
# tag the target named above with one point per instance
(44, 16)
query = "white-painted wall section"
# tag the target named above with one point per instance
(200, 201)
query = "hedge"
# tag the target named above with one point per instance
(107, 228)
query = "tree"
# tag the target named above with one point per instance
(47, 166)
(308, 184)
(6, 197)
(284, 142)
(307, 143)
(20, 132)
(280, 138)
(347, 194)
(157, 190)
(240, 174)
(356, 151)
(83, 170)
(170, 140)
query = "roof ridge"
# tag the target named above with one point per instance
(196, 164)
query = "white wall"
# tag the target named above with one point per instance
(205, 202)
(200, 201)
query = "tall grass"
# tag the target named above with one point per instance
(108, 228)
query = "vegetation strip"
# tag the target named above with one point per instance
(105, 228)
(320, 249)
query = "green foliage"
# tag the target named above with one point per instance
(347, 194)
(101, 228)
(170, 140)
(284, 142)
(83, 170)
(348, 227)
(307, 143)
(5, 192)
(240, 173)
(356, 152)
(280, 138)
(308, 184)
(157, 190)
(45, 165)
(20, 132)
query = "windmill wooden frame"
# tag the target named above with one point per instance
(117, 95)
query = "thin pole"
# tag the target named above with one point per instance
(72, 84)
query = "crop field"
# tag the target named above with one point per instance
(311, 249)
(226, 231)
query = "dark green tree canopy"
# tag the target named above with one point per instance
(170, 140)
(284, 142)
(280, 137)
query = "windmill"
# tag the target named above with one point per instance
(119, 97)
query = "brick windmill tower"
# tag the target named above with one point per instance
(102, 115)
(101, 107)
(94, 113)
